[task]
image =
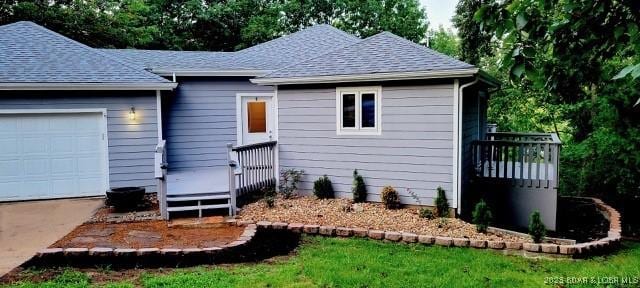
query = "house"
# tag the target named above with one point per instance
(75, 121)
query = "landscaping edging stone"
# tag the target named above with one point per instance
(153, 256)
(562, 247)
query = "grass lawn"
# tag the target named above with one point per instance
(331, 262)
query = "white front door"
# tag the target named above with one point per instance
(52, 155)
(257, 119)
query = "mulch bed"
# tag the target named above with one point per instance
(145, 234)
(341, 212)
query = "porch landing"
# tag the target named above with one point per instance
(198, 190)
(189, 182)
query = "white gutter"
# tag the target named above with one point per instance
(456, 73)
(88, 86)
(458, 142)
(199, 73)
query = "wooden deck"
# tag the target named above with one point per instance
(186, 182)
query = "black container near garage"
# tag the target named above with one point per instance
(124, 199)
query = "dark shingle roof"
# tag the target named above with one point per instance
(381, 53)
(296, 47)
(175, 60)
(33, 54)
(271, 55)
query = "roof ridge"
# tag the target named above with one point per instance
(420, 47)
(313, 58)
(159, 50)
(93, 50)
(306, 29)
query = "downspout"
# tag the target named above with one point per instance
(459, 144)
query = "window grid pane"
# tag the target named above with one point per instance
(257, 117)
(368, 110)
(349, 110)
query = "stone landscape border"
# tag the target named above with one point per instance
(580, 250)
(147, 255)
(155, 256)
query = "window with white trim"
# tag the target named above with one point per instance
(358, 111)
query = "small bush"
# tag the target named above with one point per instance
(482, 216)
(289, 180)
(359, 190)
(537, 230)
(442, 204)
(426, 213)
(322, 188)
(390, 198)
(269, 196)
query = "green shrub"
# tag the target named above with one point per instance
(442, 204)
(482, 216)
(322, 188)
(426, 213)
(359, 190)
(537, 230)
(289, 180)
(390, 198)
(269, 196)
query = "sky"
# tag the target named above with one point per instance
(440, 12)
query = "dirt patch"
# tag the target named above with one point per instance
(147, 234)
(340, 212)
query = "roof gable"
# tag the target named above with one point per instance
(33, 54)
(381, 53)
(293, 48)
(268, 56)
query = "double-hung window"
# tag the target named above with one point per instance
(358, 111)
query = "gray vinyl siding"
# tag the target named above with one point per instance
(470, 131)
(415, 150)
(200, 120)
(131, 143)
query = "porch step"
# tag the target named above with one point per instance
(195, 197)
(197, 207)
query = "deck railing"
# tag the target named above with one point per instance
(524, 159)
(252, 169)
(161, 176)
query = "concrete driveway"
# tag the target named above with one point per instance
(27, 227)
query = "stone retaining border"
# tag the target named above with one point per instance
(600, 246)
(566, 248)
(57, 255)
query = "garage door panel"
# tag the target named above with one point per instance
(61, 144)
(8, 126)
(10, 168)
(51, 155)
(88, 143)
(34, 145)
(36, 167)
(33, 124)
(62, 166)
(87, 125)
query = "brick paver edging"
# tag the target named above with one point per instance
(62, 253)
(599, 246)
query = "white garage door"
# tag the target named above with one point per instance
(52, 155)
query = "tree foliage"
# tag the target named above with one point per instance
(225, 25)
(570, 66)
(444, 41)
(475, 42)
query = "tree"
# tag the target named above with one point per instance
(444, 41)
(225, 25)
(565, 55)
(475, 42)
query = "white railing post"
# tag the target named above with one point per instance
(232, 180)
(160, 158)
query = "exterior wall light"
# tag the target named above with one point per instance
(132, 113)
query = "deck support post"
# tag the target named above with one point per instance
(232, 180)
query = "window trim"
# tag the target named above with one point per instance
(358, 91)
